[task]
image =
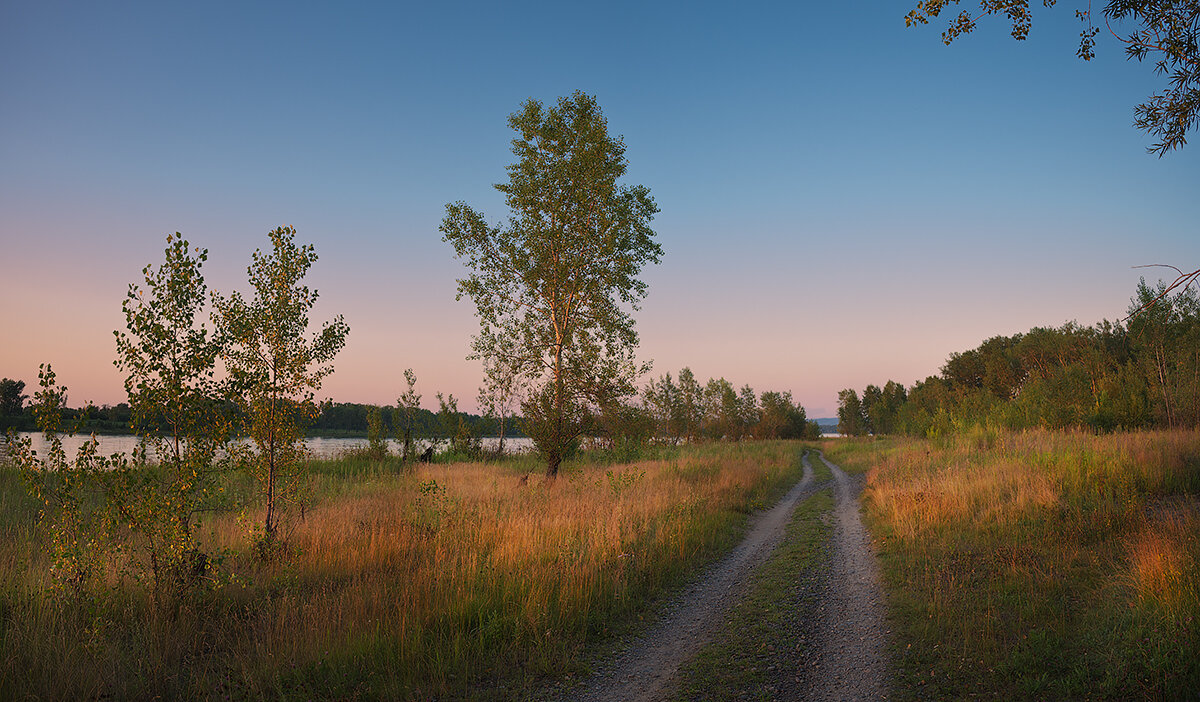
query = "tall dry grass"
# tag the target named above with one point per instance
(465, 580)
(1164, 562)
(1040, 565)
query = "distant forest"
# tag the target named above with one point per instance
(350, 419)
(687, 411)
(1144, 373)
(338, 419)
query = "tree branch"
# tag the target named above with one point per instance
(1182, 281)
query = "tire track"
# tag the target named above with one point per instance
(647, 670)
(851, 661)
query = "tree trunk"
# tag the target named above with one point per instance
(270, 525)
(554, 455)
(1161, 367)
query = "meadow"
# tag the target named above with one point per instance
(1038, 565)
(1018, 565)
(464, 580)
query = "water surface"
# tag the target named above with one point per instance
(319, 447)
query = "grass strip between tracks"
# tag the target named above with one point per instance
(762, 649)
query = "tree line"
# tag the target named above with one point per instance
(683, 409)
(669, 410)
(333, 419)
(18, 416)
(1142, 373)
(353, 419)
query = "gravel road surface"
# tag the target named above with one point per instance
(843, 618)
(851, 661)
(646, 669)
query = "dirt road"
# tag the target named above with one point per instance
(646, 670)
(851, 661)
(848, 658)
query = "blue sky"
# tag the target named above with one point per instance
(844, 200)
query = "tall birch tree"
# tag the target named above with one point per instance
(560, 280)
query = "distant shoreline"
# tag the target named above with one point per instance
(314, 435)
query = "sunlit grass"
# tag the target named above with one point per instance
(1040, 565)
(1164, 560)
(445, 580)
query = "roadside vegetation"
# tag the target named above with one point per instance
(1143, 373)
(446, 580)
(1038, 565)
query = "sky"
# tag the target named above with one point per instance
(844, 200)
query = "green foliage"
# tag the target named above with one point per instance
(503, 387)
(169, 358)
(851, 420)
(691, 404)
(70, 493)
(881, 406)
(376, 443)
(1165, 339)
(276, 367)
(622, 481)
(687, 410)
(623, 430)
(554, 285)
(11, 398)
(349, 419)
(1101, 378)
(105, 419)
(1167, 29)
(747, 410)
(14, 414)
(455, 431)
(664, 402)
(408, 407)
(557, 426)
(722, 410)
(780, 418)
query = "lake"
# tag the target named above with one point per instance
(320, 448)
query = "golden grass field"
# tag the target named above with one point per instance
(453, 580)
(1032, 565)
(1039, 565)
